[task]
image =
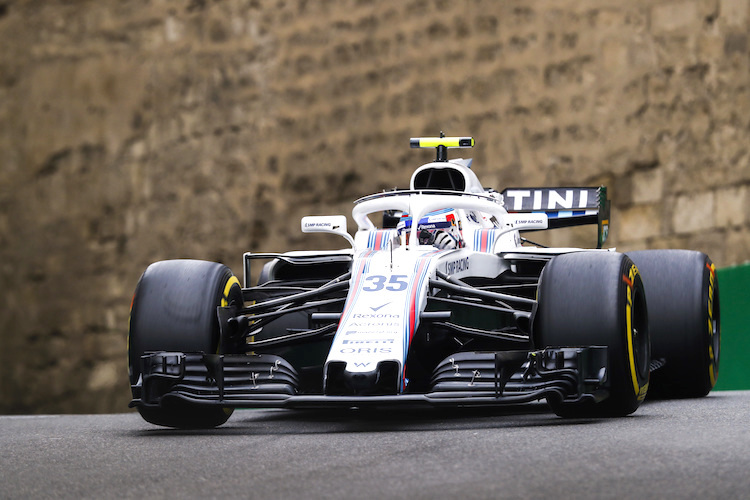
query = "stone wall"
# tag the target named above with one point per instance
(134, 131)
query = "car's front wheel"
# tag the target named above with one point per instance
(597, 299)
(174, 309)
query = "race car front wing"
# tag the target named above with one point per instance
(571, 374)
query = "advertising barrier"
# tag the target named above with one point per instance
(734, 294)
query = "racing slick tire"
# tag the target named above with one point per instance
(597, 299)
(174, 309)
(684, 320)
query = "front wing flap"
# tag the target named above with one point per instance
(571, 374)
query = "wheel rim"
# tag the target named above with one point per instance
(641, 341)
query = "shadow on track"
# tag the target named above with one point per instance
(328, 421)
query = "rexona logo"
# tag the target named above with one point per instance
(375, 316)
(457, 266)
(526, 200)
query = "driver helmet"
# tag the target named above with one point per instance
(441, 228)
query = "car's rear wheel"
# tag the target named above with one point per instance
(684, 320)
(597, 299)
(174, 309)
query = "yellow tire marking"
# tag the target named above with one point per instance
(227, 288)
(224, 303)
(631, 355)
(640, 392)
(712, 368)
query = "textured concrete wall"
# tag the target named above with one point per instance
(144, 130)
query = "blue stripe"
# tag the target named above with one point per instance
(407, 218)
(479, 236)
(563, 214)
(417, 280)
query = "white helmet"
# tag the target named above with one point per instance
(440, 228)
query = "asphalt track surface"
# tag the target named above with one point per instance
(667, 449)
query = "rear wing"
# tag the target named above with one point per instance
(565, 207)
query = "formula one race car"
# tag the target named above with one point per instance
(443, 303)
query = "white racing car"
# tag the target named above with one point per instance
(443, 302)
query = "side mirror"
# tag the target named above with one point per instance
(335, 224)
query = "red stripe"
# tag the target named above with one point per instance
(413, 301)
(711, 269)
(415, 288)
(353, 290)
(412, 320)
(378, 240)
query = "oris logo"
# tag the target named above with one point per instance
(368, 341)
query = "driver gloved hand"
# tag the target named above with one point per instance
(445, 241)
